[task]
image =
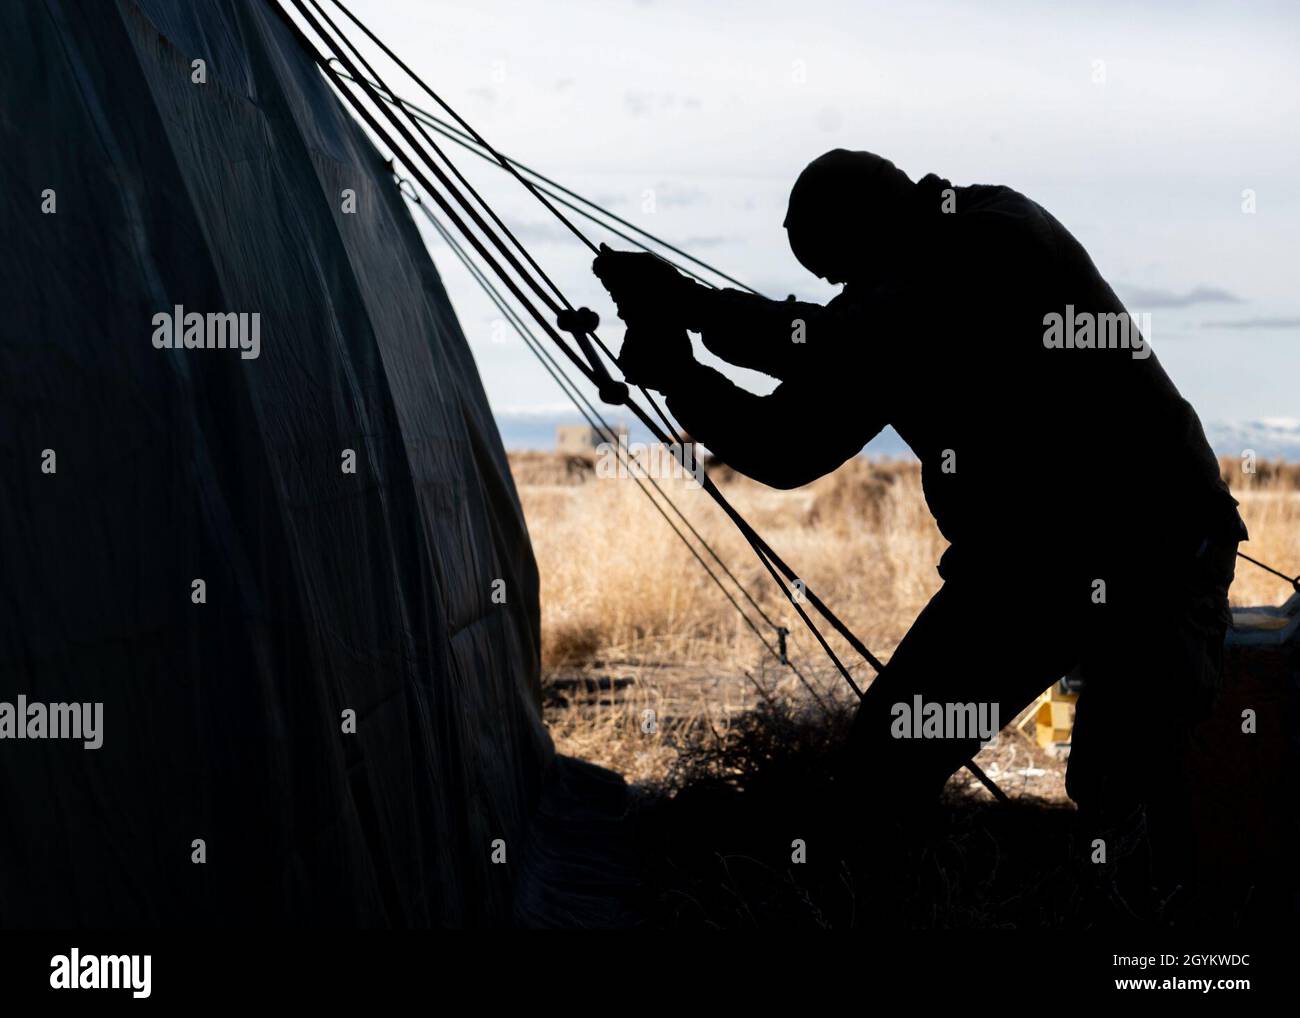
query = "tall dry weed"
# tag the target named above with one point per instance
(617, 586)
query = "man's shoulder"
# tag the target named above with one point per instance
(998, 219)
(1003, 209)
(937, 194)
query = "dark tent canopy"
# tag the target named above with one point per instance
(135, 181)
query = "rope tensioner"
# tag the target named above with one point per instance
(580, 323)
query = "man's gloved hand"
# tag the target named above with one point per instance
(641, 284)
(656, 355)
(650, 295)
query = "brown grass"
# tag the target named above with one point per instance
(622, 596)
(619, 588)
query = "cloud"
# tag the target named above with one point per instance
(1255, 323)
(638, 104)
(1143, 298)
(677, 196)
(608, 199)
(1269, 437)
(691, 243)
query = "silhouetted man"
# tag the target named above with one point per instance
(1087, 520)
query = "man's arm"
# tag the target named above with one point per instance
(775, 337)
(781, 338)
(796, 434)
(750, 331)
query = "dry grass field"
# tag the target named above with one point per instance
(632, 624)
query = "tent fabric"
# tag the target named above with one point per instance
(326, 591)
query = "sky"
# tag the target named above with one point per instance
(1145, 127)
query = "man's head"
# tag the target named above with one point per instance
(849, 215)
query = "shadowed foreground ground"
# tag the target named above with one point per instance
(718, 853)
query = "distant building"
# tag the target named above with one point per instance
(582, 438)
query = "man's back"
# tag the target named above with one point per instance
(1020, 438)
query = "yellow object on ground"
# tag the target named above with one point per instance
(1052, 715)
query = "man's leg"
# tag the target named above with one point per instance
(1151, 673)
(969, 645)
